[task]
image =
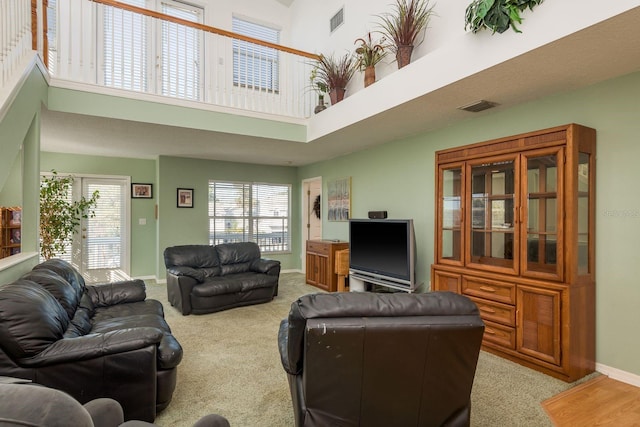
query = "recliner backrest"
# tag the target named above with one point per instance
(396, 359)
(195, 256)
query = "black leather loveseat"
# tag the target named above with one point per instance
(205, 279)
(90, 341)
(381, 359)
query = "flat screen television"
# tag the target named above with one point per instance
(383, 249)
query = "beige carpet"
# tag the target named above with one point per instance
(231, 366)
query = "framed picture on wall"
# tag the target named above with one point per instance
(339, 199)
(185, 197)
(141, 191)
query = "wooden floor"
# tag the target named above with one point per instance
(597, 402)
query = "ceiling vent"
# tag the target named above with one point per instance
(336, 20)
(478, 106)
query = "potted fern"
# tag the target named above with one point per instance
(334, 73)
(368, 54)
(405, 27)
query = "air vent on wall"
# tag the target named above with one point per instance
(478, 106)
(336, 20)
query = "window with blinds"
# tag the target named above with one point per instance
(104, 230)
(181, 52)
(129, 57)
(255, 66)
(125, 55)
(241, 212)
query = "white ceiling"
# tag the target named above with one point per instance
(603, 51)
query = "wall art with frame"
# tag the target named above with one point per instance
(339, 199)
(185, 198)
(141, 191)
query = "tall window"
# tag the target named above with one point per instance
(242, 212)
(129, 58)
(255, 66)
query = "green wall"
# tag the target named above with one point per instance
(143, 237)
(399, 177)
(20, 130)
(179, 226)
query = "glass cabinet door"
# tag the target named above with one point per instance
(493, 195)
(450, 242)
(541, 231)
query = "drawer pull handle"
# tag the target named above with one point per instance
(489, 331)
(487, 309)
(487, 289)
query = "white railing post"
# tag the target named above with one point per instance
(15, 36)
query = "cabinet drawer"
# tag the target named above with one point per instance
(501, 335)
(489, 289)
(318, 248)
(496, 312)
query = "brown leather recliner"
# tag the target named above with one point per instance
(367, 359)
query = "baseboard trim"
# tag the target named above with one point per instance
(618, 374)
(291, 271)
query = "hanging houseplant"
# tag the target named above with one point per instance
(335, 74)
(405, 26)
(496, 15)
(368, 54)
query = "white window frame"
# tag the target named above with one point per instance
(256, 56)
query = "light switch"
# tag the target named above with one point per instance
(142, 221)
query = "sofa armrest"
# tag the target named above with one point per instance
(182, 270)
(179, 291)
(290, 359)
(73, 350)
(266, 266)
(107, 294)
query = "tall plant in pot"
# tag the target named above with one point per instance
(405, 27)
(368, 54)
(60, 217)
(335, 73)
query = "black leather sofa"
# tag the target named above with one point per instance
(392, 359)
(205, 279)
(90, 341)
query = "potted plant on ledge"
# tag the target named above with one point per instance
(368, 55)
(405, 27)
(335, 74)
(319, 87)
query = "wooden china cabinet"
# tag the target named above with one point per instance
(515, 230)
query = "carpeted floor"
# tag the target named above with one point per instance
(231, 366)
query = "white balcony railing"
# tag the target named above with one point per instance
(15, 37)
(107, 43)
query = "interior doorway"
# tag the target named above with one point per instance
(311, 214)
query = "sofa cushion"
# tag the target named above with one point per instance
(66, 271)
(237, 257)
(80, 324)
(146, 307)
(233, 283)
(196, 256)
(31, 319)
(58, 287)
